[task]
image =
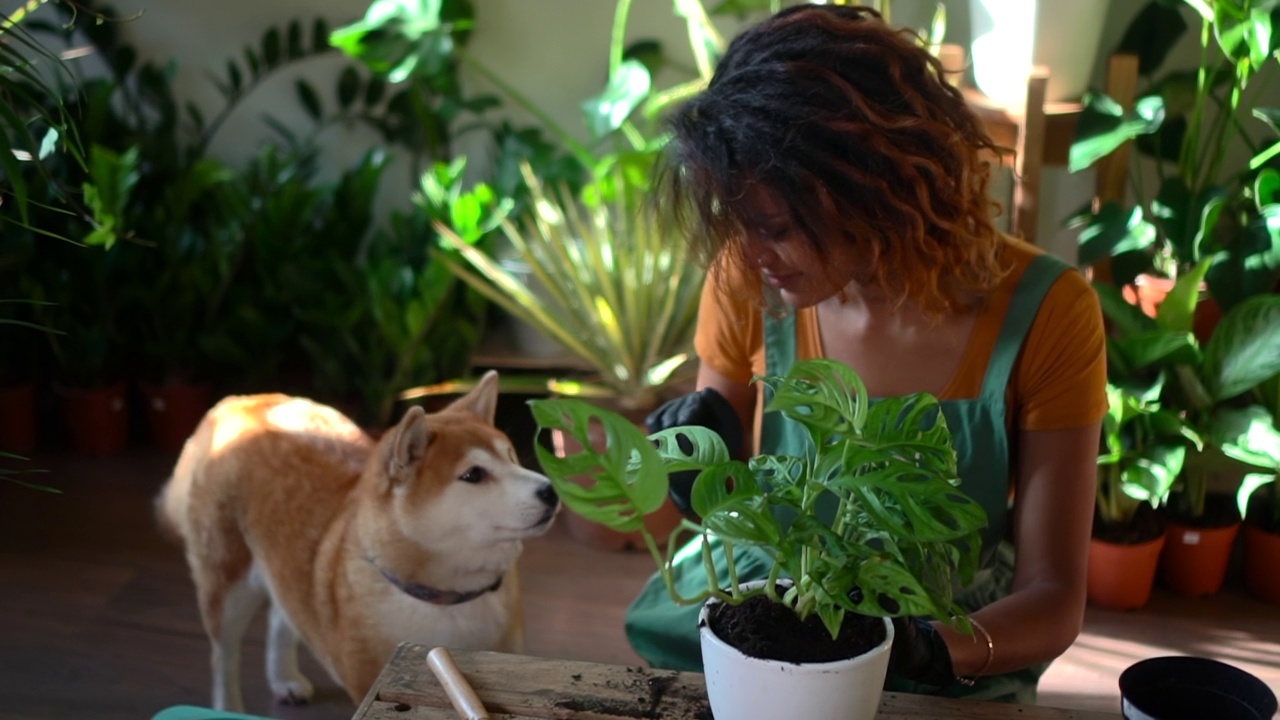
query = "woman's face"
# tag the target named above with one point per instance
(787, 260)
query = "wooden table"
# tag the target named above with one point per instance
(517, 687)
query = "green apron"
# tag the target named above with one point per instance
(666, 635)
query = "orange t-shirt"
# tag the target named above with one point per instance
(1058, 381)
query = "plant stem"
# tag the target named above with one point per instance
(619, 35)
(1219, 142)
(1191, 140)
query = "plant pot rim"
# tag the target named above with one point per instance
(1141, 543)
(704, 629)
(1169, 670)
(1260, 527)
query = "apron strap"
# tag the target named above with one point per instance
(1034, 284)
(777, 434)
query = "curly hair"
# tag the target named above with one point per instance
(850, 124)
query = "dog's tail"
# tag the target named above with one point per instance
(167, 507)
(170, 504)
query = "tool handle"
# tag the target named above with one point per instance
(460, 692)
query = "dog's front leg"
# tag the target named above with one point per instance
(288, 684)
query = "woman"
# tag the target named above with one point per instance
(837, 187)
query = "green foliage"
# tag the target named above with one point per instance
(1144, 449)
(1189, 122)
(609, 286)
(1163, 374)
(902, 535)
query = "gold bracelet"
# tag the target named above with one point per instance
(991, 654)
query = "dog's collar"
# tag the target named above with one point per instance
(432, 595)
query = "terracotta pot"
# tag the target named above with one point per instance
(659, 523)
(174, 409)
(19, 421)
(1262, 562)
(1121, 576)
(97, 418)
(1194, 561)
(1147, 292)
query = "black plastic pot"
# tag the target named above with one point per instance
(1193, 688)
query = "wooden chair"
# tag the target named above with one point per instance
(1040, 134)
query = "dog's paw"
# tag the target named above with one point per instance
(293, 692)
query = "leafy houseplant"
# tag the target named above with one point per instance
(1144, 447)
(900, 538)
(1257, 442)
(1191, 123)
(1209, 387)
(612, 290)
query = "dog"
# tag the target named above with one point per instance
(359, 545)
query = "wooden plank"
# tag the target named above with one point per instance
(1122, 86)
(379, 710)
(527, 687)
(543, 688)
(1027, 172)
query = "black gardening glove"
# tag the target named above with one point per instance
(704, 408)
(919, 653)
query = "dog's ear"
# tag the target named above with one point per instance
(408, 446)
(483, 398)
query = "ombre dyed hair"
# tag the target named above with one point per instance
(851, 126)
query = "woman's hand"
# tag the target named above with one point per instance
(1052, 517)
(919, 653)
(704, 408)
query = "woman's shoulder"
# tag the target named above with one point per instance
(1069, 286)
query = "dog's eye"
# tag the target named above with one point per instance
(473, 475)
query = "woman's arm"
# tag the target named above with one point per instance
(742, 396)
(1052, 520)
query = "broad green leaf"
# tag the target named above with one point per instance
(1104, 126)
(627, 88)
(1177, 311)
(1160, 348)
(1251, 265)
(1114, 231)
(1244, 349)
(1266, 188)
(1247, 434)
(1250, 484)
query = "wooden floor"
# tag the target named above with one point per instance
(97, 618)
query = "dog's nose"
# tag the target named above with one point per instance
(547, 495)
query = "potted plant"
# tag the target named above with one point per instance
(901, 538)
(1144, 447)
(1255, 438)
(1208, 387)
(1260, 506)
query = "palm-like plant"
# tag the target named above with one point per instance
(611, 288)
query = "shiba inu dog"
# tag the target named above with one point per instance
(358, 545)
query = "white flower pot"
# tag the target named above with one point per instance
(741, 687)
(1009, 36)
